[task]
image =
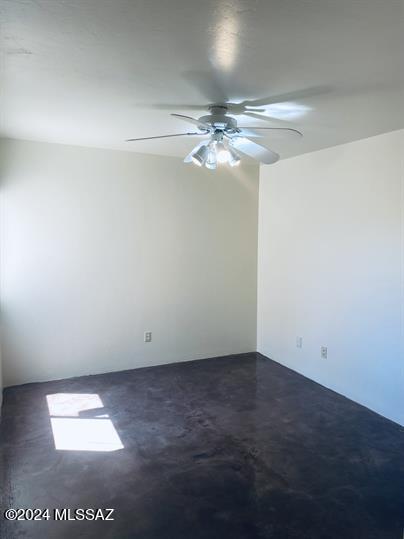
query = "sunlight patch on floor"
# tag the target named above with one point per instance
(79, 423)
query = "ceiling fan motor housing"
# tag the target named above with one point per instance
(218, 119)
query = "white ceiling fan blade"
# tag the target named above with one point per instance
(294, 96)
(281, 131)
(247, 132)
(164, 136)
(264, 117)
(188, 158)
(176, 106)
(254, 150)
(201, 125)
(239, 108)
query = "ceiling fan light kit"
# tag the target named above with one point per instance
(200, 155)
(211, 161)
(226, 141)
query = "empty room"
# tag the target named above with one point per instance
(202, 269)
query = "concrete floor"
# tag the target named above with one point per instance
(236, 447)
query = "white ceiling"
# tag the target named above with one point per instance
(94, 72)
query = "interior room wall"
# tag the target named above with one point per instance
(1, 380)
(1, 359)
(99, 246)
(330, 269)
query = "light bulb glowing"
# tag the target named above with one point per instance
(214, 152)
(223, 156)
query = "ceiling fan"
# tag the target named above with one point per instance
(225, 141)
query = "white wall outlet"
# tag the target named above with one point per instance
(324, 352)
(147, 336)
(299, 342)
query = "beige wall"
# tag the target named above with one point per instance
(99, 246)
(1, 380)
(331, 269)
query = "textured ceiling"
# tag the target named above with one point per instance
(95, 72)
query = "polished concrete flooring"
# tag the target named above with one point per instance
(236, 447)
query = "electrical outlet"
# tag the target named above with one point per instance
(147, 336)
(324, 352)
(299, 342)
